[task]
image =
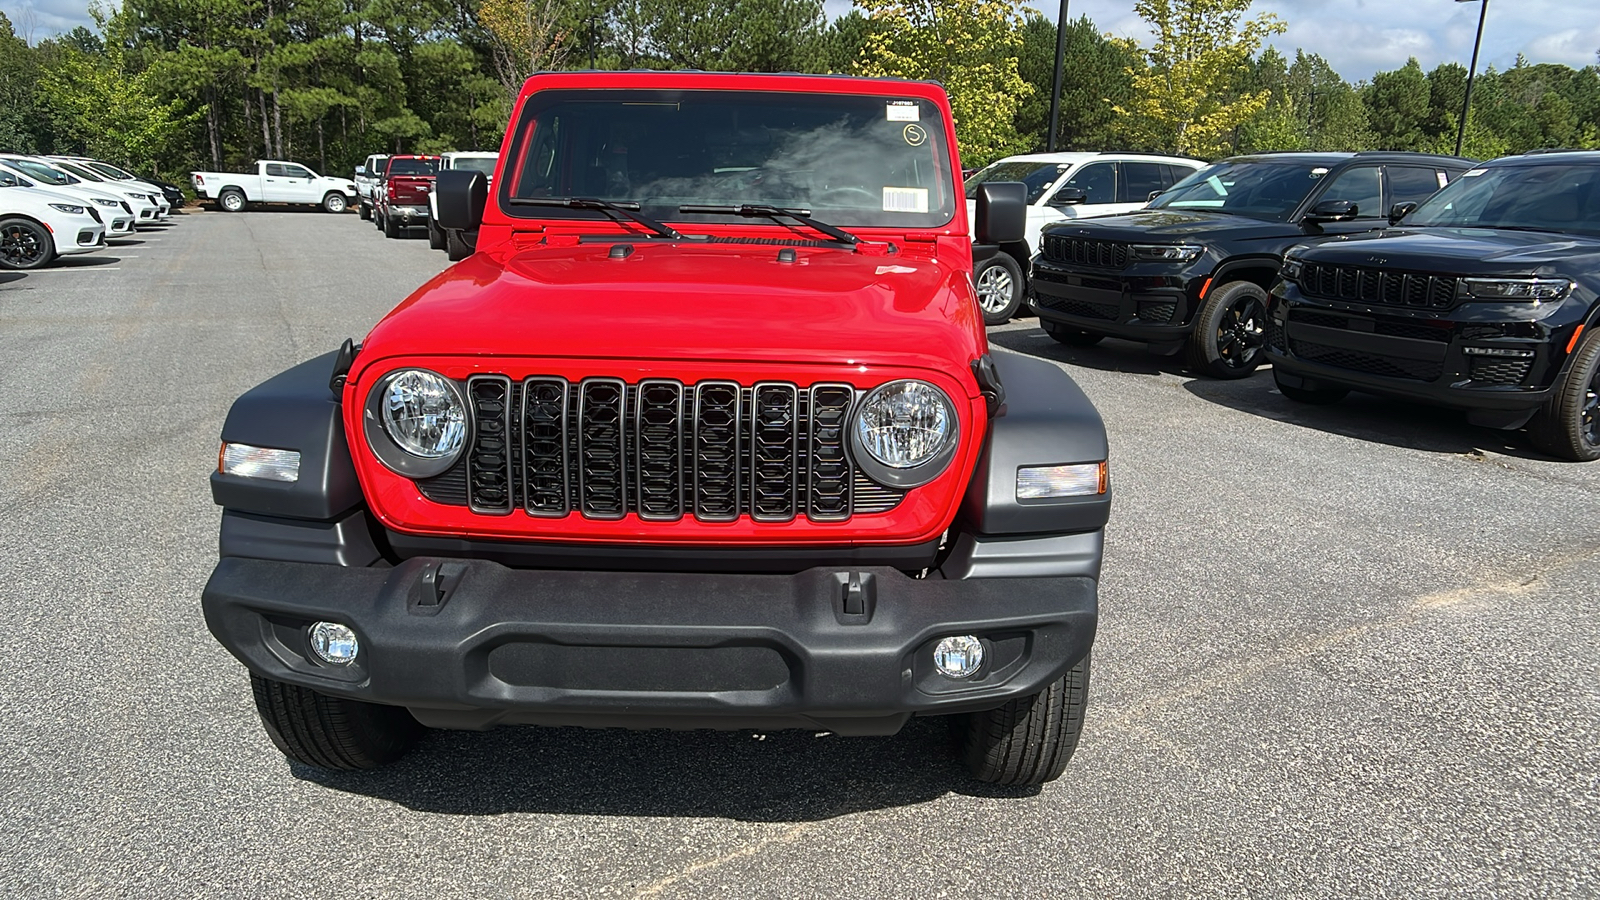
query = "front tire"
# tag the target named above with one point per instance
(1072, 337)
(231, 200)
(334, 202)
(332, 732)
(25, 244)
(364, 211)
(456, 246)
(1229, 331)
(435, 236)
(1001, 286)
(1568, 425)
(1029, 740)
(1311, 396)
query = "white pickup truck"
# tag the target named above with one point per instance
(274, 181)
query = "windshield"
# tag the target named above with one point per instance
(848, 159)
(1257, 190)
(413, 166)
(79, 171)
(40, 171)
(476, 164)
(1036, 175)
(110, 171)
(1542, 197)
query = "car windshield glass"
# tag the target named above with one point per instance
(40, 171)
(853, 160)
(1541, 197)
(1257, 190)
(413, 166)
(110, 171)
(475, 164)
(1036, 175)
(80, 171)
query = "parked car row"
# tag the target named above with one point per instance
(1433, 278)
(53, 206)
(397, 193)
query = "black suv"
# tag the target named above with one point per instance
(1196, 265)
(1483, 299)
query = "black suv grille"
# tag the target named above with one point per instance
(1371, 363)
(1084, 252)
(1379, 286)
(1492, 370)
(716, 451)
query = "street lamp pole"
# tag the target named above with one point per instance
(1466, 102)
(1055, 89)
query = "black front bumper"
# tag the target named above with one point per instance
(848, 651)
(1120, 303)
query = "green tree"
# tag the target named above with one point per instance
(738, 35)
(1186, 100)
(1097, 78)
(1398, 107)
(19, 73)
(110, 113)
(969, 46)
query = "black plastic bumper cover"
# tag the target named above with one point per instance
(846, 651)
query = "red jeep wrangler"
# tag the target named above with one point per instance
(706, 434)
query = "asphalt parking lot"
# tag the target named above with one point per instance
(1345, 651)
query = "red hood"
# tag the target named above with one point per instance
(723, 302)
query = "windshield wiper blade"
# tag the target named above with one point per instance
(624, 207)
(762, 210)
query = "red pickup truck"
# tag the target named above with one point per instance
(781, 483)
(400, 199)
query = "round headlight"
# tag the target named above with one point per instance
(416, 422)
(904, 433)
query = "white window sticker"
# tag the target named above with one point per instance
(905, 200)
(1474, 173)
(1444, 180)
(904, 111)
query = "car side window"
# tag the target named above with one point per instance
(1412, 184)
(1140, 180)
(297, 171)
(1361, 187)
(7, 179)
(1098, 181)
(277, 170)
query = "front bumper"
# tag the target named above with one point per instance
(1121, 303)
(1474, 356)
(847, 651)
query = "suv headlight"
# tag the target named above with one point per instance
(104, 202)
(68, 208)
(904, 433)
(1166, 252)
(1515, 288)
(1291, 269)
(416, 422)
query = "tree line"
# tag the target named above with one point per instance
(170, 85)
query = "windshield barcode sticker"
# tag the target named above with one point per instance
(905, 200)
(904, 111)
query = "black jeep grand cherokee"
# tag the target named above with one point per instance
(1486, 298)
(1195, 267)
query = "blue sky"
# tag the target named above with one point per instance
(1358, 37)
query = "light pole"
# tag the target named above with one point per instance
(1055, 88)
(1466, 102)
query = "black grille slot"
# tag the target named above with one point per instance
(1371, 363)
(774, 439)
(602, 474)
(1500, 370)
(1077, 307)
(716, 451)
(1082, 252)
(489, 458)
(658, 430)
(1274, 336)
(1157, 313)
(1362, 285)
(544, 447)
(829, 482)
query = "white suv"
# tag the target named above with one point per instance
(113, 209)
(1064, 186)
(36, 226)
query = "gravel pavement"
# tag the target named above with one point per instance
(1344, 651)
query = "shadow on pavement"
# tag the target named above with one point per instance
(789, 776)
(1110, 355)
(86, 262)
(8, 277)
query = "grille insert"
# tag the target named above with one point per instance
(1083, 252)
(1491, 370)
(489, 458)
(1371, 363)
(1362, 285)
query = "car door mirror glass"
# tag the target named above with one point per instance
(1333, 211)
(1069, 196)
(1400, 211)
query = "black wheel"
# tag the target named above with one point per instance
(332, 732)
(456, 246)
(377, 219)
(1000, 288)
(390, 229)
(435, 236)
(1072, 337)
(1313, 396)
(25, 244)
(1029, 740)
(334, 202)
(364, 211)
(231, 200)
(1568, 425)
(1229, 331)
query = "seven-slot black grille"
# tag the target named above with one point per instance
(715, 450)
(1084, 252)
(1361, 285)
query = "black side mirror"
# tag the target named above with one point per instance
(1400, 211)
(1069, 197)
(463, 196)
(1333, 211)
(1153, 195)
(1002, 214)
